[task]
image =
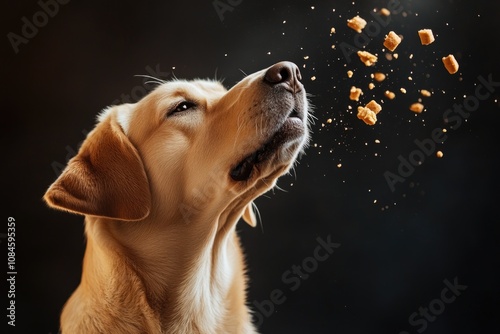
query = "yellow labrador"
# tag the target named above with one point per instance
(162, 184)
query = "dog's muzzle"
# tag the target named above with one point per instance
(283, 79)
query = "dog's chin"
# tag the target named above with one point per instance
(278, 151)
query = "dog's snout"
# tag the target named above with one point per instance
(286, 73)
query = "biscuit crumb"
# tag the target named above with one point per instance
(374, 106)
(367, 116)
(426, 36)
(425, 92)
(451, 64)
(356, 23)
(403, 90)
(417, 107)
(379, 76)
(368, 113)
(350, 74)
(392, 41)
(385, 12)
(371, 85)
(367, 58)
(439, 154)
(332, 31)
(329, 120)
(390, 95)
(355, 93)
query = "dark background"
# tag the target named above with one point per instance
(396, 247)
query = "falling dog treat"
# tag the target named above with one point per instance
(426, 36)
(451, 64)
(417, 107)
(439, 154)
(355, 93)
(425, 92)
(368, 114)
(356, 23)
(374, 106)
(392, 41)
(390, 95)
(385, 12)
(367, 58)
(379, 76)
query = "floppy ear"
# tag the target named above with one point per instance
(106, 178)
(249, 215)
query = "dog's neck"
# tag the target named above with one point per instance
(186, 268)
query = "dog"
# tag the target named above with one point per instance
(162, 184)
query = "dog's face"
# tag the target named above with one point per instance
(200, 149)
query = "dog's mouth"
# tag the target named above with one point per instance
(291, 130)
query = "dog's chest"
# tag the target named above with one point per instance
(205, 295)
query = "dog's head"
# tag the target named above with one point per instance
(189, 150)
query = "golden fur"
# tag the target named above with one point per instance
(161, 186)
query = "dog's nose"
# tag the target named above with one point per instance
(286, 73)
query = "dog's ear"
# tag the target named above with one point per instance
(106, 178)
(249, 215)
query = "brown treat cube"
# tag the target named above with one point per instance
(367, 116)
(392, 41)
(355, 93)
(426, 36)
(374, 106)
(451, 64)
(367, 58)
(356, 23)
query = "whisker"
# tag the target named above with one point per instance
(259, 216)
(243, 72)
(294, 172)
(281, 189)
(215, 74)
(268, 186)
(152, 82)
(153, 79)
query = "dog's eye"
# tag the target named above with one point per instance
(181, 107)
